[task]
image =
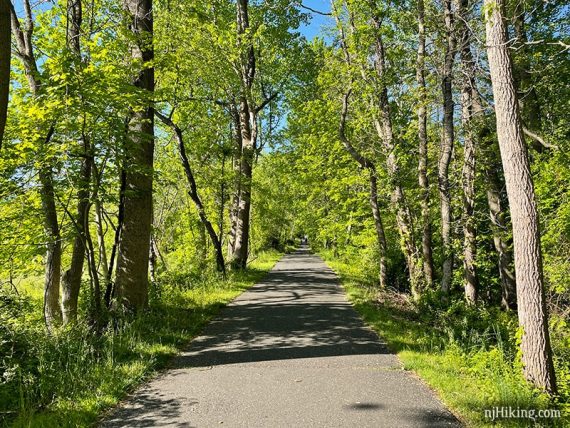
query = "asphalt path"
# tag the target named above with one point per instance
(290, 352)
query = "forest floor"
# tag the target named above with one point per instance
(291, 351)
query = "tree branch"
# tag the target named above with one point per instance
(538, 138)
(310, 9)
(265, 102)
(362, 160)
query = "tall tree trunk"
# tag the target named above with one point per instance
(236, 164)
(241, 242)
(366, 163)
(133, 255)
(193, 192)
(470, 113)
(247, 120)
(533, 318)
(499, 226)
(5, 55)
(52, 310)
(446, 147)
(379, 227)
(383, 125)
(23, 37)
(71, 280)
(427, 252)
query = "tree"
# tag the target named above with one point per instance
(535, 343)
(134, 247)
(423, 148)
(383, 124)
(471, 113)
(71, 278)
(5, 55)
(446, 145)
(374, 205)
(25, 51)
(193, 191)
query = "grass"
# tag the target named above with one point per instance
(70, 378)
(470, 368)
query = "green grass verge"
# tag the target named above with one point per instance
(71, 378)
(467, 376)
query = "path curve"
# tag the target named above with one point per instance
(290, 352)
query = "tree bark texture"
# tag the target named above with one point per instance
(535, 344)
(133, 256)
(52, 310)
(471, 111)
(247, 115)
(427, 252)
(446, 146)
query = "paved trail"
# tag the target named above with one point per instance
(290, 352)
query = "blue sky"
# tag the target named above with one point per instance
(318, 21)
(310, 30)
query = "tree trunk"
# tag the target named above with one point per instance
(470, 113)
(52, 310)
(152, 259)
(367, 164)
(383, 124)
(102, 250)
(23, 38)
(193, 192)
(72, 277)
(379, 227)
(236, 163)
(5, 55)
(533, 319)
(94, 275)
(500, 226)
(247, 120)
(241, 242)
(446, 147)
(133, 255)
(423, 149)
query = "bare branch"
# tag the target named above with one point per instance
(538, 138)
(315, 11)
(265, 102)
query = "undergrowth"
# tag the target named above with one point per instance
(70, 377)
(468, 355)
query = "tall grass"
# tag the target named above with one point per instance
(69, 378)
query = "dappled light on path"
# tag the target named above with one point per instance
(289, 352)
